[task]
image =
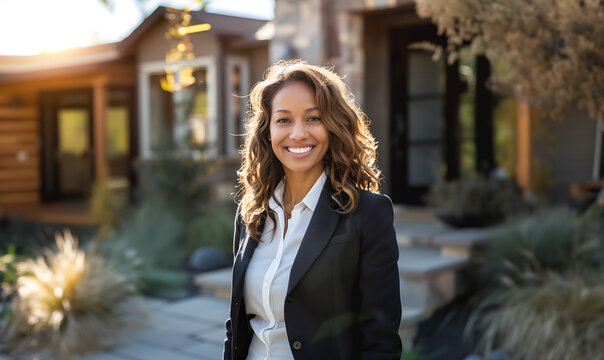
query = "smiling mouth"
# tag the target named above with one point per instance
(300, 150)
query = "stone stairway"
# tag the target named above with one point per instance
(432, 258)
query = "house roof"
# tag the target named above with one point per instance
(12, 67)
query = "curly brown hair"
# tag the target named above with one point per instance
(350, 161)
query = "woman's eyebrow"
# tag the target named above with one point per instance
(287, 111)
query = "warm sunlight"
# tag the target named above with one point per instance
(33, 26)
(57, 25)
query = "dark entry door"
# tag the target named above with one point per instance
(67, 144)
(424, 100)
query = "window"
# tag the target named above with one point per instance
(186, 117)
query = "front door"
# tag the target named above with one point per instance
(424, 121)
(67, 144)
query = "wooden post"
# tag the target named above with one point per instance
(524, 146)
(100, 128)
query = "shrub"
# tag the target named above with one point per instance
(554, 240)
(146, 245)
(548, 288)
(215, 229)
(69, 303)
(492, 199)
(550, 317)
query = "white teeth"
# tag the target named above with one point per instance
(299, 150)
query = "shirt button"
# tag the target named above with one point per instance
(297, 345)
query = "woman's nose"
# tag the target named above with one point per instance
(298, 131)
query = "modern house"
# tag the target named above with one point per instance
(73, 117)
(434, 121)
(70, 118)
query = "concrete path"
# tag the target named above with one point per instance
(183, 330)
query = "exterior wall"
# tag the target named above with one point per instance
(564, 152)
(21, 120)
(299, 31)
(19, 158)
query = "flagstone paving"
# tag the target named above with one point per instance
(189, 329)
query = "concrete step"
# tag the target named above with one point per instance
(215, 283)
(463, 242)
(433, 233)
(429, 279)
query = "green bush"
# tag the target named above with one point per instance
(215, 229)
(146, 245)
(554, 240)
(478, 195)
(171, 217)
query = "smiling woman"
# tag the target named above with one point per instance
(315, 274)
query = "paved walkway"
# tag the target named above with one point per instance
(183, 330)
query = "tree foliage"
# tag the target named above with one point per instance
(554, 48)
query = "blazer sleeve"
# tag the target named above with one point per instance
(380, 304)
(226, 353)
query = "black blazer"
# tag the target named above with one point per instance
(343, 299)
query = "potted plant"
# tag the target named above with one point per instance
(476, 201)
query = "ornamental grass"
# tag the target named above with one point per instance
(68, 303)
(555, 317)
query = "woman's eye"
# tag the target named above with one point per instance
(314, 118)
(282, 121)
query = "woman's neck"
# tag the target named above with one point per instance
(297, 186)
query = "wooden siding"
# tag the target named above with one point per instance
(19, 158)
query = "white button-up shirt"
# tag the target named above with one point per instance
(267, 275)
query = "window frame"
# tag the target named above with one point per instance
(146, 70)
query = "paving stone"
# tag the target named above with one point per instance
(204, 350)
(106, 356)
(168, 323)
(200, 308)
(216, 335)
(161, 337)
(155, 303)
(142, 351)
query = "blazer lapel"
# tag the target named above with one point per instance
(321, 227)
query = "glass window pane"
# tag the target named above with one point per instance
(424, 165)
(182, 115)
(425, 75)
(117, 131)
(425, 119)
(73, 131)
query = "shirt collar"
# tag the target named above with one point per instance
(310, 200)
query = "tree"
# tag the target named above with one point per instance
(554, 49)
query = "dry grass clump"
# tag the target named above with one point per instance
(554, 48)
(69, 303)
(555, 317)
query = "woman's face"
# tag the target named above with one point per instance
(298, 136)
